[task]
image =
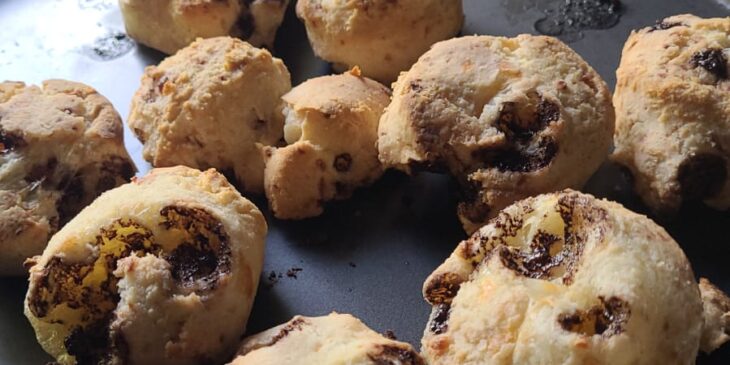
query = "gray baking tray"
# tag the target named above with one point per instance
(367, 256)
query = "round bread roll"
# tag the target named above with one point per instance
(159, 271)
(332, 128)
(61, 145)
(507, 117)
(212, 105)
(169, 25)
(673, 112)
(382, 37)
(330, 340)
(566, 278)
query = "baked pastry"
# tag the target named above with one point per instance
(383, 37)
(332, 128)
(169, 25)
(717, 316)
(565, 278)
(673, 112)
(159, 271)
(329, 340)
(507, 117)
(61, 145)
(211, 105)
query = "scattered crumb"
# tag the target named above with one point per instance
(292, 273)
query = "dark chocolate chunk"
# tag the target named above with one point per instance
(664, 25)
(295, 325)
(394, 355)
(606, 319)
(443, 288)
(713, 60)
(10, 141)
(343, 162)
(204, 254)
(701, 176)
(439, 319)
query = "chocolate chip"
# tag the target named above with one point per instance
(394, 355)
(521, 156)
(10, 141)
(295, 325)
(701, 176)
(526, 150)
(343, 162)
(443, 288)
(245, 24)
(90, 344)
(204, 254)
(439, 318)
(537, 263)
(713, 60)
(43, 171)
(113, 172)
(606, 319)
(663, 25)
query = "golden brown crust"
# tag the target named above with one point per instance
(716, 305)
(170, 25)
(383, 37)
(673, 112)
(328, 340)
(61, 145)
(161, 270)
(212, 105)
(331, 125)
(501, 117)
(564, 278)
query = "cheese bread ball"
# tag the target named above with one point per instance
(212, 105)
(169, 25)
(330, 340)
(61, 145)
(565, 278)
(332, 128)
(383, 37)
(507, 117)
(673, 113)
(159, 271)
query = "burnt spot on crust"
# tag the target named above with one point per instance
(443, 288)
(528, 147)
(713, 60)
(663, 25)
(606, 319)
(394, 355)
(343, 162)
(10, 141)
(438, 322)
(701, 176)
(204, 254)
